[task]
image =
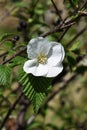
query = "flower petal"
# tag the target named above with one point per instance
(41, 70)
(38, 46)
(56, 54)
(30, 66)
(54, 71)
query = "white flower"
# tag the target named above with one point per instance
(45, 58)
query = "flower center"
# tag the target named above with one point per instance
(42, 59)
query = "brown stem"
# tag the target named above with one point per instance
(81, 32)
(57, 10)
(19, 52)
(10, 110)
(62, 35)
(57, 29)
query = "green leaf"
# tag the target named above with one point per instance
(1, 90)
(21, 4)
(71, 58)
(18, 60)
(35, 88)
(5, 35)
(75, 1)
(81, 69)
(75, 46)
(35, 125)
(54, 127)
(5, 73)
(8, 45)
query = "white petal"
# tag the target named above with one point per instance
(30, 66)
(41, 70)
(56, 54)
(63, 53)
(38, 46)
(54, 71)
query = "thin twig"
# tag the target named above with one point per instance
(19, 52)
(57, 29)
(57, 10)
(10, 110)
(62, 35)
(61, 88)
(83, 6)
(84, 13)
(6, 100)
(43, 35)
(3, 54)
(81, 32)
(23, 109)
(67, 23)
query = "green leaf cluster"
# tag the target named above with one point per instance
(18, 60)
(5, 35)
(5, 73)
(35, 88)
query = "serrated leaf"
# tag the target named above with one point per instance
(35, 88)
(18, 60)
(5, 35)
(5, 73)
(8, 45)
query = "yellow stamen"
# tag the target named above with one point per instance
(42, 59)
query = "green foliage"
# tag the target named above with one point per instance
(75, 46)
(35, 88)
(71, 58)
(81, 69)
(5, 73)
(75, 1)
(53, 127)
(69, 110)
(8, 46)
(5, 35)
(21, 4)
(18, 60)
(35, 125)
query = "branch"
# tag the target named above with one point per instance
(63, 34)
(23, 108)
(19, 52)
(61, 88)
(10, 110)
(64, 25)
(5, 53)
(56, 29)
(84, 4)
(57, 10)
(81, 32)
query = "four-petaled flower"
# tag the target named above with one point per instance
(45, 58)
